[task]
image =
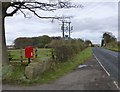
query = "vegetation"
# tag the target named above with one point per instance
(108, 37)
(110, 42)
(17, 77)
(115, 46)
(39, 42)
(67, 55)
(64, 50)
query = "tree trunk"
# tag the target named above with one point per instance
(0, 34)
(5, 60)
(3, 49)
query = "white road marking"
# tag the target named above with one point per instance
(101, 65)
(116, 84)
(106, 72)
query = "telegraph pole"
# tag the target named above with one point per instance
(63, 28)
(69, 29)
(64, 22)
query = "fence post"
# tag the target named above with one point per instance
(36, 53)
(21, 56)
(52, 53)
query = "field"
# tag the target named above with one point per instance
(42, 53)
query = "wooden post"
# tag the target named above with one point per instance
(21, 56)
(52, 53)
(35, 53)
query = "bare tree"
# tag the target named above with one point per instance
(31, 6)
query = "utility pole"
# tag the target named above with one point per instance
(64, 22)
(63, 29)
(69, 29)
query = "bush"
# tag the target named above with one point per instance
(118, 45)
(63, 52)
(112, 45)
(65, 49)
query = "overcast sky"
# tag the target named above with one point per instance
(89, 22)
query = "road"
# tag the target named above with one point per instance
(108, 60)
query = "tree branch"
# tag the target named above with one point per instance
(23, 13)
(12, 13)
(37, 14)
(38, 5)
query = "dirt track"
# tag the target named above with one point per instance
(92, 77)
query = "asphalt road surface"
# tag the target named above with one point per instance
(108, 60)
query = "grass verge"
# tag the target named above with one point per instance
(17, 77)
(113, 49)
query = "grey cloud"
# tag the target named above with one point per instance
(96, 24)
(94, 37)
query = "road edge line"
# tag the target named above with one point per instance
(114, 82)
(102, 65)
(116, 85)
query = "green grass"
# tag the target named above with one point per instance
(113, 49)
(42, 54)
(65, 67)
(17, 77)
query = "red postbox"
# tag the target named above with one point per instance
(29, 52)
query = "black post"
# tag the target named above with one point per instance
(63, 28)
(69, 29)
(28, 60)
(21, 56)
(52, 52)
(35, 53)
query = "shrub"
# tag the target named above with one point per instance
(62, 52)
(112, 45)
(65, 49)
